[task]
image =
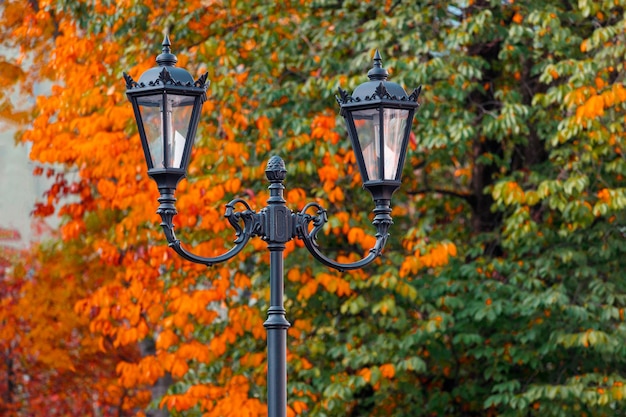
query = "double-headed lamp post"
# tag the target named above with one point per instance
(167, 102)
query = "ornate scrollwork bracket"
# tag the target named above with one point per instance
(319, 219)
(251, 226)
(275, 223)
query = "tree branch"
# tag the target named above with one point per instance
(467, 197)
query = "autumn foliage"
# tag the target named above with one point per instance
(501, 291)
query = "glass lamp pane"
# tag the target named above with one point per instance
(151, 117)
(166, 126)
(178, 116)
(367, 124)
(394, 127)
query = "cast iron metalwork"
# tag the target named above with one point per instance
(364, 91)
(378, 94)
(276, 224)
(166, 74)
(157, 85)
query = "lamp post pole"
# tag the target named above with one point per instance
(280, 229)
(378, 118)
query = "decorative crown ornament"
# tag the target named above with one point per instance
(166, 74)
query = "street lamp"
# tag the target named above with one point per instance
(379, 114)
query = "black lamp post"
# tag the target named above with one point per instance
(167, 104)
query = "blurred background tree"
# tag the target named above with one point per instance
(502, 289)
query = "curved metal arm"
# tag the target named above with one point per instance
(382, 221)
(167, 211)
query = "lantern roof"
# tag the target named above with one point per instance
(377, 89)
(166, 75)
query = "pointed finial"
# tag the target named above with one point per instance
(166, 45)
(166, 58)
(378, 73)
(378, 61)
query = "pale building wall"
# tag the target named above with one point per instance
(19, 188)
